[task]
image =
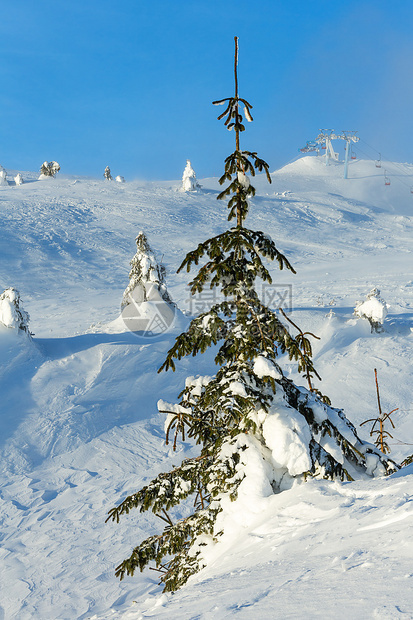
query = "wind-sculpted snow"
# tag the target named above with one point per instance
(79, 424)
(320, 550)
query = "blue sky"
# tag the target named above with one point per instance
(129, 84)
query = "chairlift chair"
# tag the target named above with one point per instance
(386, 178)
(378, 161)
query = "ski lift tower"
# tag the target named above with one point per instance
(348, 136)
(324, 138)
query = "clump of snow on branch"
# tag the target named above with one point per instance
(243, 180)
(189, 181)
(263, 367)
(11, 314)
(288, 436)
(374, 309)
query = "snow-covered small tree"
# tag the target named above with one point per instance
(18, 179)
(189, 181)
(146, 277)
(120, 179)
(107, 174)
(3, 176)
(257, 431)
(374, 309)
(146, 305)
(49, 169)
(12, 314)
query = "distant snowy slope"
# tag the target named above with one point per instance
(78, 415)
(77, 235)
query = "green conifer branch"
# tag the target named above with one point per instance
(166, 490)
(173, 541)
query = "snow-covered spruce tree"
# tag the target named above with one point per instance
(374, 309)
(146, 305)
(18, 179)
(12, 314)
(146, 277)
(257, 431)
(189, 181)
(107, 174)
(3, 176)
(49, 169)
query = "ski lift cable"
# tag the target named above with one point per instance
(366, 154)
(394, 177)
(370, 147)
(396, 165)
(299, 156)
(397, 178)
(387, 174)
(380, 154)
(392, 163)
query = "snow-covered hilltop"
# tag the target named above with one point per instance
(80, 429)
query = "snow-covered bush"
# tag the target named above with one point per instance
(11, 313)
(120, 179)
(18, 179)
(3, 176)
(258, 433)
(107, 174)
(374, 309)
(189, 182)
(146, 305)
(49, 170)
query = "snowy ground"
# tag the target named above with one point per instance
(79, 424)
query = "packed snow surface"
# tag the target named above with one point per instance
(79, 423)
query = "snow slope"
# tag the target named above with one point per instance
(79, 424)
